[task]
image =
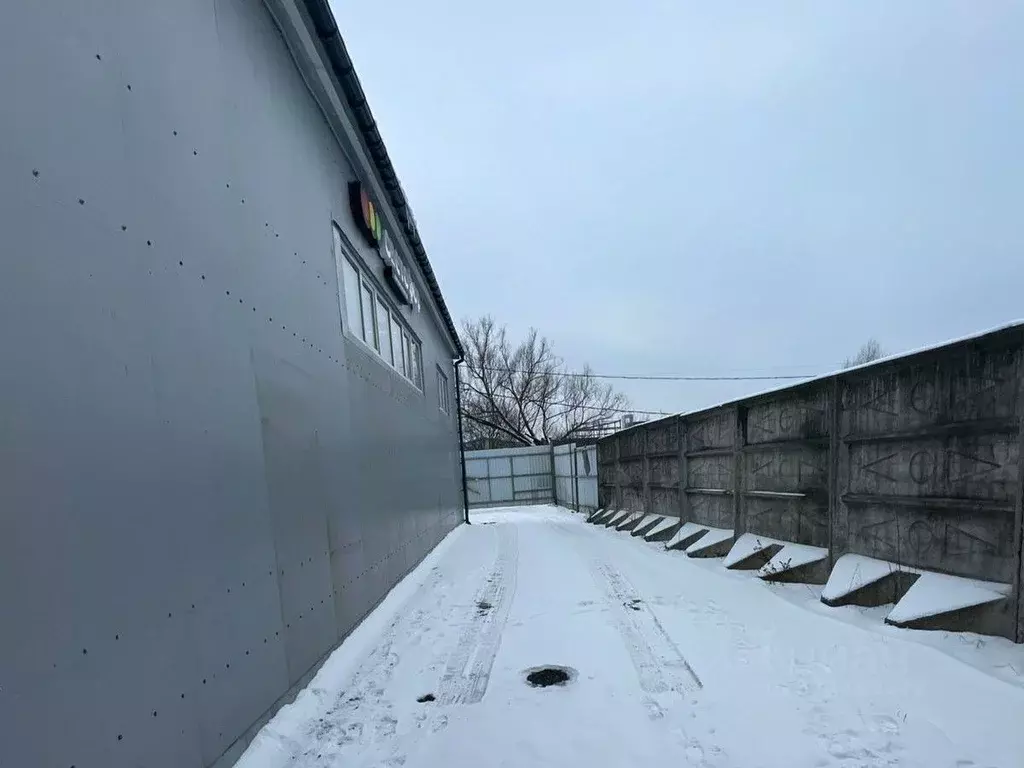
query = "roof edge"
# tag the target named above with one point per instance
(327, 31)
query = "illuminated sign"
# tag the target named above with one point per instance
(370, 223)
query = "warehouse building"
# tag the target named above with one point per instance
(227, 417)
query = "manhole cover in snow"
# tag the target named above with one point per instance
(543, 677)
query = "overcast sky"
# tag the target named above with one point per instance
(672, 187)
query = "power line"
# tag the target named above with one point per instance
(644, 377)
(583, 405)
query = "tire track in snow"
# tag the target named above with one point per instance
(469, 667)
(660, 665)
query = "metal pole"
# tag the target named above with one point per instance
(554, 478)
(576, 475)
(462, 442)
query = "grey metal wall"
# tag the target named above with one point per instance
(914, 460)
(204, 483)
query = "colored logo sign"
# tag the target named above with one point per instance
(365, 214)
(371, 225)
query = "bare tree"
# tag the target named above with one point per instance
(520, 393)
(870, 350)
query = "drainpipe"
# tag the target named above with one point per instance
(462, 443)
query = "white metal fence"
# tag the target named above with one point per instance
(562, 474)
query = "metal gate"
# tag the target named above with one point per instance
(561, 474)
(510, 476)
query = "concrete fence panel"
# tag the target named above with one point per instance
(914, 459)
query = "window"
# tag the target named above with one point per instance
(402, 354)
(443, 396)
(384, 331)
(368, 316)
(417, 364)
(396, 342)
(369, 320)
(407, 345)
(350, 289)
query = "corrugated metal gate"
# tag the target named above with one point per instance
(562, 474)
(509, 476)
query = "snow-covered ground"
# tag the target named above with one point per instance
(677, 662)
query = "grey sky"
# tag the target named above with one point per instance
(709, 188)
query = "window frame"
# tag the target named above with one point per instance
(407, 358)
(444, 400)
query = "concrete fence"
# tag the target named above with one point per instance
(912, 461)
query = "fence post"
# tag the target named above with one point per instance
(554, 478)
(685, 514)
(1018, 512)
(573, 456)
(618, 472)
(739, 441)
(647, 472)
(832, 412)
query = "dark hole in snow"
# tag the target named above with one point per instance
(425, 698)
(484, 606)
(634, 604)
(543, 677)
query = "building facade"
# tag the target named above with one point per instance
(227, 418)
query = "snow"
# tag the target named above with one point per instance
(639, 517)
(687, 530)
(935, 593)
(617, 518)
(631, 517)
(851, 572)
(678, 662)
(793, 556)
(709, 539)
(746, 545)
(664, 525)
(605, 516)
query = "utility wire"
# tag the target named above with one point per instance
(583, 405)
(642, 377)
